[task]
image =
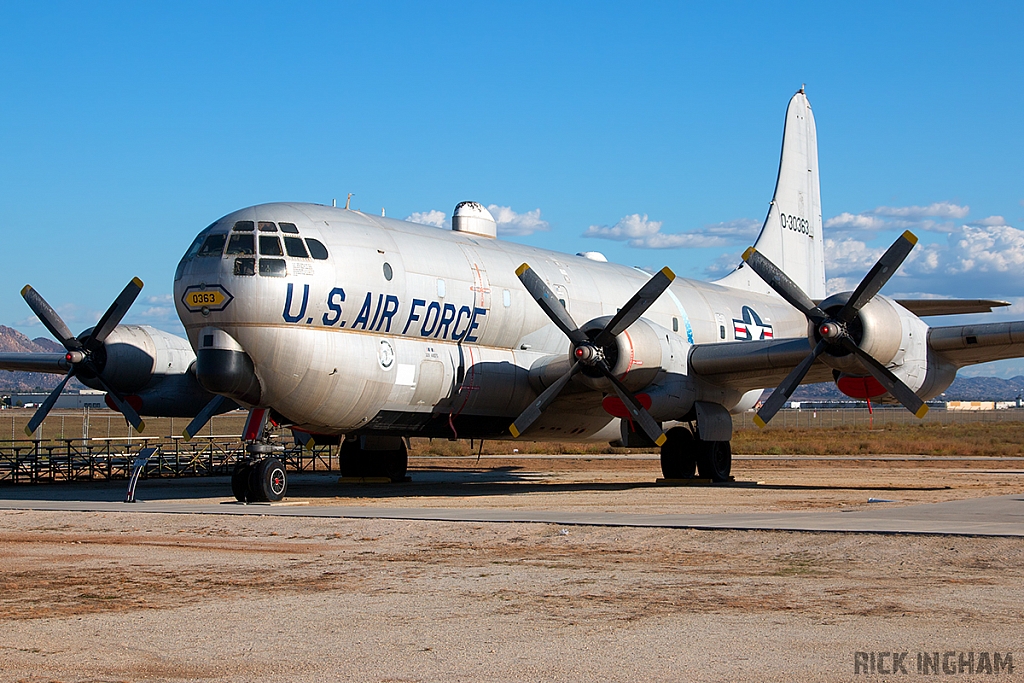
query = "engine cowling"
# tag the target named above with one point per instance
(133, 356)
(896, 338)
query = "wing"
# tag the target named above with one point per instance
(51, 363)
(747, 365)
(926, 307)
(969, 344)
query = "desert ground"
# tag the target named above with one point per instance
(127, 596)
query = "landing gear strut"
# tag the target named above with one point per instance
(682, 455)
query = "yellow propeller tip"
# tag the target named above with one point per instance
(142, 427)
(185, 435)
(26, 289)
(910, 237)
(28, 432)
(514, 431)
(921, 412)
(522, 269)
(137, 282)
(660, 440)
(667, 272)
(748, 253)
(759, 422)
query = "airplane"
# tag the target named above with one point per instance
(361, 331)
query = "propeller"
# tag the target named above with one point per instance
(84, 353)
(589, 352)
(208, 411)
(833, 331)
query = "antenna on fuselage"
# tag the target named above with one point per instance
(349, 200)
(334, 203)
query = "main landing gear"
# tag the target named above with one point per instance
(682, 455)
(374, 456)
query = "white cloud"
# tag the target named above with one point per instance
(436, 218)
(517, 224)
(936, 210)
(996, 249)
(900, 218)
(641, 232)
(989, 222)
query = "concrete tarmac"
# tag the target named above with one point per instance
(987, 516)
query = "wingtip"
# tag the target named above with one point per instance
(759, 422)
(522, 269)
(747, 254)
(910, 237)
(922, 411)
(512, 428)
(137, 282)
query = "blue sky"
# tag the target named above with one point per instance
(127, 128)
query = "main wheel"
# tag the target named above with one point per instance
(268, 480)
(714, 460)
(240, 481)
(394, 464)
(677, 454)
(351, 459)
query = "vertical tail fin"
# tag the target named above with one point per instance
(791, 235)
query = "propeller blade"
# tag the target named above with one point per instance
(50, 319)
(530, 415)
(550, 304)
(200, 420)
(783, 285)
(114, 314)
(893, 384)
(878, 275)
(635, 408)
(636, 306)
(129, 413)
(44, 409)
(788, 386)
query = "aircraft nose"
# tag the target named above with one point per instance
(223, 367)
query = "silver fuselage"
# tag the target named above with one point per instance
(444, 346)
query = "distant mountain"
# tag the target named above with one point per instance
(962, 389)
(12, 341)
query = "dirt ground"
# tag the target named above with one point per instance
(134, 596)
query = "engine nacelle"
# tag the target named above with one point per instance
(636, 356)
(135, 356)
(896, 338)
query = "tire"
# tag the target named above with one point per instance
(268, 481)
(677, 454)
(395, 464)
(350, 459)
(714, 460)
(240, 481)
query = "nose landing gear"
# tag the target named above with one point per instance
(260, 477)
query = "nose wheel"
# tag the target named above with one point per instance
(260, 481)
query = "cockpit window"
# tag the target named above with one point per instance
(194, 249)
(289, 228)
(213, 246)
(243, 226)
(316, 249)
(241, 244)
(245, 266)
(268, 226)
(273, 267)
(295, 247)
(270, 245)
